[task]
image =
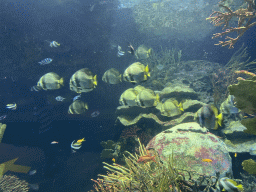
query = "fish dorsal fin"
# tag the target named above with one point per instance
(220, 118)
(147, 71)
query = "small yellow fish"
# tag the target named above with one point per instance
(207, 160)
(80, 140)
(235, 155)
(114, 160)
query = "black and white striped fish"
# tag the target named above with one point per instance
(45, 61)
(54, 44)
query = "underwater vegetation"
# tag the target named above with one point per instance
(226, 75)
(144, 171)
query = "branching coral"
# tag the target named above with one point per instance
(150, 176)
(245, 18)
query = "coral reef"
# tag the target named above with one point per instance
(12, 183)
(2, 129)
(111, 149)
(190, 142)
(245, 94)
(248, 182)
(150, 176)
(131, 115)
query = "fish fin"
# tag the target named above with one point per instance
(157, 100)
(147, 71)
(120, 76)
(149, 52)
(240, 187)
(145, 77)
(86, 106)
(180, 106)
(219, 119)
(232, 181)
(61, 81)
(95, 80)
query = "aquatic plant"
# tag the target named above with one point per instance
(220, 81)
(245, 21)
(166, 60)
(227, 75)
(12, 183)
(150, 176)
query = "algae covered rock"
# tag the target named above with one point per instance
(245, 98)
(178, 92)
(245, 95)
(111, 149)
(2, 129)
(249, 166)
(240, 145)
(234, 126)
(191, 144)
(250, 124)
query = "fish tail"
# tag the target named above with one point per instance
(86, 106)
(219, 119)
(57, 43)
(181, 106)
(149, 52)
(157, 100)
(145, 77)
(240, 187)
(61, 81)
(147, 71)
(95, 80)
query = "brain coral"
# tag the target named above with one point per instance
(191, 145)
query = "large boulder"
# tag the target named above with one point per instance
(191, 145)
